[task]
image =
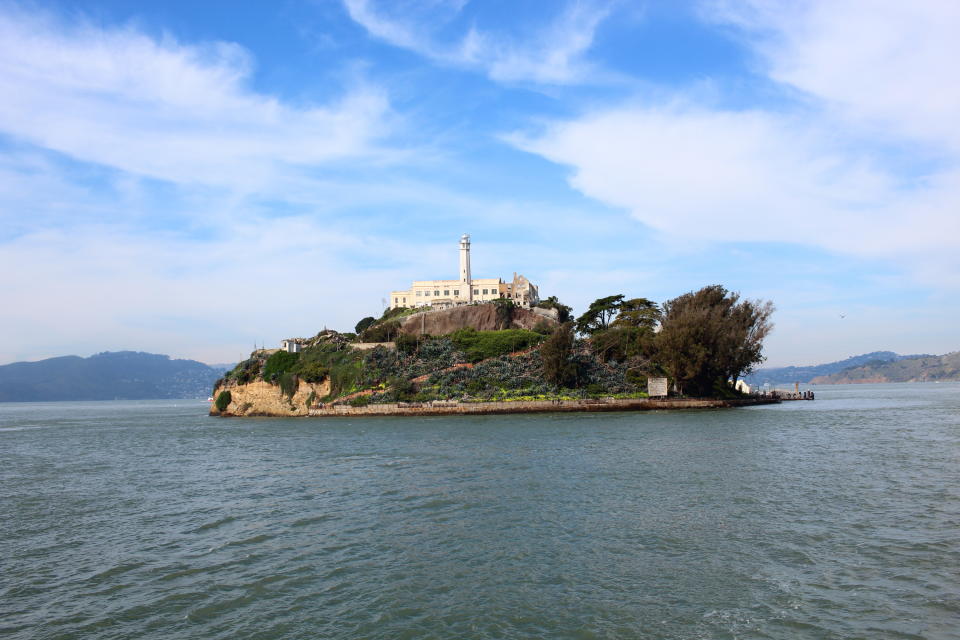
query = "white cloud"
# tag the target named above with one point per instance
(553, 55)
(886, 65)
(166, 110)
(866, 163)
(734, 176)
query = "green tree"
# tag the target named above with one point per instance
(638, 312)
(598, 316)
(223, 400)
(710, 336)
(618, 343)
(557, 355)
(406, 343)
(363, 324)
(564, 313)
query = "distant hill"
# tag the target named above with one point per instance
(789, 375)
(120, 375)
(910, 369)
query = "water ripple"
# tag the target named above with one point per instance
(831, 519)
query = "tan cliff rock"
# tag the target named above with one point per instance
(262, 398)
(482, 317)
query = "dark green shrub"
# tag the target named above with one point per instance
(245, 371)
(559, 368)
(223, 400)
(359, 401)
(480, 345)
(544, 327)
(279, 363)
(288, 384)
(383, 331)
(402, 389)
(636, 376)
(344, 376)
(312, 370)
(406, 343)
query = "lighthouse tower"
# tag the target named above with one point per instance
(465, 276)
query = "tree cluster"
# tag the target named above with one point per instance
(701, 340)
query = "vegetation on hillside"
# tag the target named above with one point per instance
(701, 341)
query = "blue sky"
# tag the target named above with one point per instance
(193, 178)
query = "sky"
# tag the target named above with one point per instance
(196, 179)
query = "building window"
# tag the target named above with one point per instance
(456, 292)
(396, 300)
(418, 294)
(404, 301)
(476, 292)
(426, 293)
(436, 293)
(446, 292)
(485, 292)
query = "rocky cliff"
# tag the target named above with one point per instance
(258, 398)
(482, 317)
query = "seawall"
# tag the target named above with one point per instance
(453, 407)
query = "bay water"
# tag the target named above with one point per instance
(838, 518)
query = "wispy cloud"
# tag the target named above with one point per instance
(555, 54)
(884, 66)
(166, 110)
(861, 163)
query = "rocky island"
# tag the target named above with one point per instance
(498, 356)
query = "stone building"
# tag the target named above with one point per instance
(443, 294)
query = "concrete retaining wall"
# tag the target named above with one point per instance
(452, 407)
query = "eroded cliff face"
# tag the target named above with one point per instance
(262, 398)
(482, 317)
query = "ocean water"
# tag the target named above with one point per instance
(838, 518)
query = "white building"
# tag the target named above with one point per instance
(292, 345)
(465, 290)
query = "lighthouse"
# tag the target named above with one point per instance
(465, 277)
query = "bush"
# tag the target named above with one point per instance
(383, 331)
(245, 371)
(406, 343)
(312, 370)
(402, 389)
(480, 345)
(359, 401)
(595, 389)
(288, 384)
(559, 367)
(223, 400)
(544, 328)
(279, 363)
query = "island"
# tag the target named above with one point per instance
(498, 356)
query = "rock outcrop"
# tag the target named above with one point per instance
(259, 398)
(482, 317)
